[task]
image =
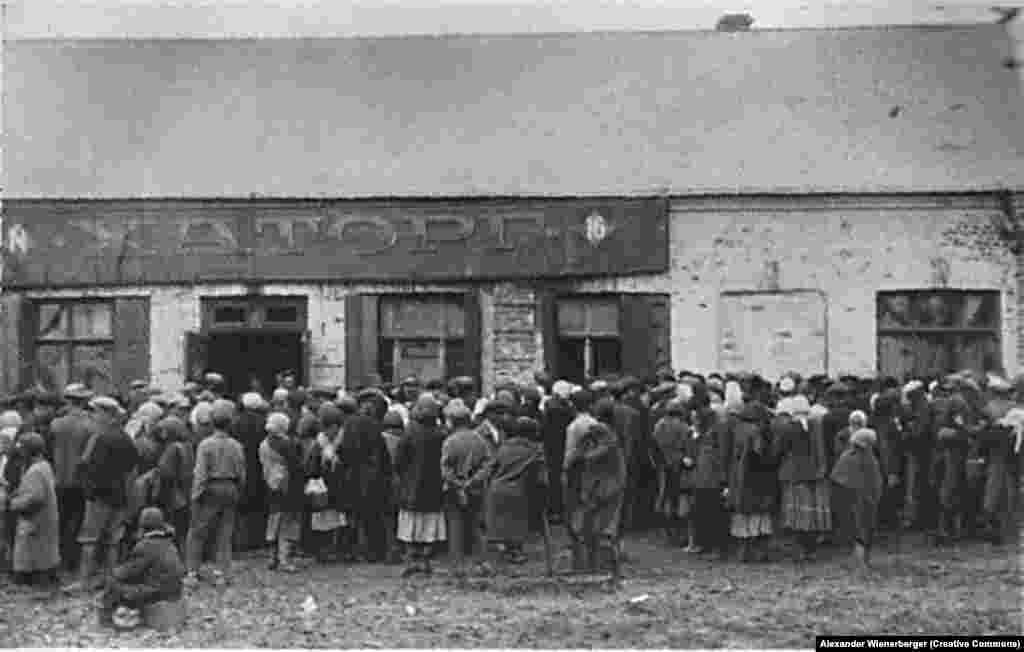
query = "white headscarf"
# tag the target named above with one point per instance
(733, 395)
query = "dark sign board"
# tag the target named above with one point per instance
(99, 242)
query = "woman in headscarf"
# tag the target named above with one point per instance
(802, 453)
(421, 522)
(518, 471)
(596, 480)
(175, 476)
(326, 463)
(37, 528)
(558, 414)
(857, 489)
(674, 455)
(752, 494)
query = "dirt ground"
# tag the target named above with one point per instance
(973, 588)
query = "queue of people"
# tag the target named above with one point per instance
(386, 474)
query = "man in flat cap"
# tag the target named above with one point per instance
(71, 433)
(216, 489)
(106, 468)
(465, 461)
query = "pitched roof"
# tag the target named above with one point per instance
(852, 110)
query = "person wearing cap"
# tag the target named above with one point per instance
(200, 423)
(531, 403)
(495, 418)
(951, 418)
(279, 400)
(71, 433)
(558, 414)
(708, 519)
(250, 430)
(465, 464)
(36, 557)
(153, 571)
(886, 422)
(137, 394)
(214, 383)
(107, 468)
(857, 489)
(1000, 444)
(282, 469)
(141, 428)
(918, 447)
(518, 475)
(595, 470)
(803, 455)
(421, 521)
(174, 475)
(632, 424)
(675, 457)
(217, 485)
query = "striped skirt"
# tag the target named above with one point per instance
(806, 506)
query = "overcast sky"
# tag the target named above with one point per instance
(212, 18)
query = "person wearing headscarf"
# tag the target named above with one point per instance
(675, 456)
(217, 485)
(71, 433)
(558, 414)
(595, 470)
(371, 463)
(421, 522)
(465, 466)
(282, 471)
(856, 489)
(200, 423)
(803, 456)
(709, 522)
(250, 430)
(328, 463)
(857, 420)
(518, 472)
(752, 492)
(36, 556)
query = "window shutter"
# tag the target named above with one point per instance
(645, 330)
(361, 338)
(196, 355)
(131, 341)
(11, 307)
(547, 319)
(473, 347)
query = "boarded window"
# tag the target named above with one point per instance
(422, 336)
(932, 332)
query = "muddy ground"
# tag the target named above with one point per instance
(971, 588)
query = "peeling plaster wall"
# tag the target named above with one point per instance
(848, 248)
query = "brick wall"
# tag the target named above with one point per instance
(847, 249)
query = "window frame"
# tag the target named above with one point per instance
(68, 342)
(953, 332)
(589, 335)
(390, 345)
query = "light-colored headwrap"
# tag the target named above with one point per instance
(149, 412)
(863, 438)
(280, 395)
(787, 385)
(733, 395)
(278, 423)
(10, 419)
(857, 417)
(684, 391)
(252, 401)
(562, 389)
(201, 414)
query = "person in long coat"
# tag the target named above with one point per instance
(37, 529)
(885, 421)
(465, 466)
(674, 454)
(327, 461)
(558, 414)
(1001, 445)
(175, 468)
(250, 429)
(708, 516)
(421, 522)
(595, 466)
(372, 468)
(918, 447)
(518, 471)
(857, 487)
(752, 494)
(282, 471)
(949, 462)
(803, 456)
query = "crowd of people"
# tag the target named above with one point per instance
(140, 492)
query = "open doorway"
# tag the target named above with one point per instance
(243, 356)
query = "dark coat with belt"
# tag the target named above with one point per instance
(418, 463)
(518, 472)
(753, 472)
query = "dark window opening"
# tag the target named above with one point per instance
(284, 314)
(422, 337)
(229, 315)
(74, 342)
(589, 342)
